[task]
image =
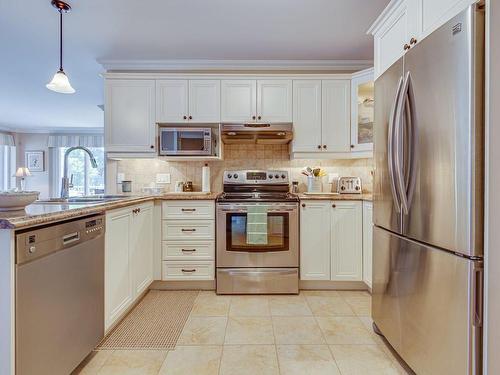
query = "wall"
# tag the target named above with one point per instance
(39, 181)
(142, 171)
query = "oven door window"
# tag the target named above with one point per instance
(183, 140)
(277, 233)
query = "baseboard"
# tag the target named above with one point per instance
(183, 285)
(332, 285)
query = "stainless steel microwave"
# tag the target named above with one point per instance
(185, 141)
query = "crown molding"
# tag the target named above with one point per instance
(54, 130)
(386, 13)
(200, 64)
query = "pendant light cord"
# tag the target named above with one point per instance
(60, 40)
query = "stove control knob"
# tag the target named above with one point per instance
(229, 175)
(277, 175)
(270, 176)
(235, 175)
(283, 176)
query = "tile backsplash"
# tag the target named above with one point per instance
(143, 172)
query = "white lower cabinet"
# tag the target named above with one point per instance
(128, 258)
(367, 242)
(188, 240)
(331, 240)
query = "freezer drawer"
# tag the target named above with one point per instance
(257, 281)
(428, 304)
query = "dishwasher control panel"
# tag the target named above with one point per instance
(32, 244)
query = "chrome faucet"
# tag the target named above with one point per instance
(65, 183)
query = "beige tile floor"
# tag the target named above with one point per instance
(315, 333)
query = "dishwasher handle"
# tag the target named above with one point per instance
(71, 238)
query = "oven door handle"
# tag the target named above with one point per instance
(271, 210)
(243, 272)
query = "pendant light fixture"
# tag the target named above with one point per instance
(60, 82)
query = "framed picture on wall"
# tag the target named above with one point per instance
(35, 161)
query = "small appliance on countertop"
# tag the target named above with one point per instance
(349, 185)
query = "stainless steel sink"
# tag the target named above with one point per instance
(82, 200)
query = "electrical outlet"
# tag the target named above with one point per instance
(163, 178)
(332, 177)
(120, 177)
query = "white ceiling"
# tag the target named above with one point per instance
(158, 30)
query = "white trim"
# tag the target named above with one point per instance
(201, 64)
(381, 19)
(362, 73)
(222, 76)
(331, 155)
(57, 130)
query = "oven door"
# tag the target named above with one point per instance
(185, 141)
(281, 250)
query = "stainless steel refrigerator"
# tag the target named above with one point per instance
(428, 200)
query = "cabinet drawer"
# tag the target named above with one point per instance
(188, 229)
(173, 270)
(188, 250)
(181, 210)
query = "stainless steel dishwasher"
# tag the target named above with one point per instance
(59, 295)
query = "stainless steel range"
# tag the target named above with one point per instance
(257, 234)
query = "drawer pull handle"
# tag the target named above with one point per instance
(189, 271)
(188, 250)
(188, 230)
(188, 209)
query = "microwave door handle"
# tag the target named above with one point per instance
(390, 146)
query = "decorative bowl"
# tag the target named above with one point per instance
(17, 200)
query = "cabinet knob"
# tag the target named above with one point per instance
(253, 117)
(319, 147)
(334, 205)
(259, 117)
(303, 204)
(406, 47)
(190, 117)
(185, 117)
(413, 41)
(152, 146)
(324, 146)
(352, 146)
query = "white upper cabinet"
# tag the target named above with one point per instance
(256, 101)
(403, 23)
(315, 240)
(347, 241)
(362, 110)
(336, 115)
(129, 115)
(238, 100)
(204, 101)
(184, 101)
(274, 100)
(172, 100)
(306, 115)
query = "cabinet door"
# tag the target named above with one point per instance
(129, 119)
(238, 100)
(391, 38)
(315, 240)
(172, 101)
(336, 115)
(346, 241)
(274, 100)
(204, 101)
(362, 111)
(142, 247)
(306, 116)
(367, 242)
(117, 277)
(436, 13)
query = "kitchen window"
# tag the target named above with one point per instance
(85, 179)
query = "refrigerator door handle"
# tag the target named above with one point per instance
(398, 135)
(390, 146)
(477, 300)
(411, 121)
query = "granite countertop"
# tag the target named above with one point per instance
(39, 213)
(337, 197)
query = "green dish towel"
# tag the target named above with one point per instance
(257, 225)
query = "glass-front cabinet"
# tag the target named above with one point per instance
(362, 110)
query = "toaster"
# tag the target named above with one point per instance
(349, 185)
